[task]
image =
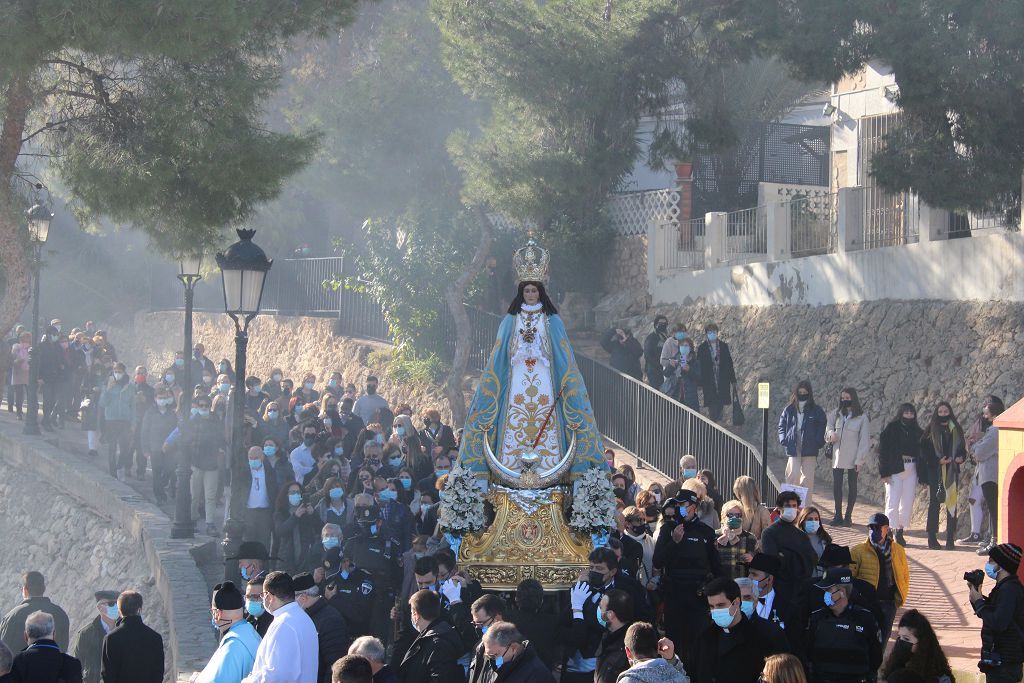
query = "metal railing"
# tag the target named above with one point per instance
(483, 330)
(812, 225)
(885, 219)
(658, 430)
(747, 233)
(682, 247)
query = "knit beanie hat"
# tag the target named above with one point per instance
(1007, 556)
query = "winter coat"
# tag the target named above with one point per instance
(1002, 620)
(445, 438)
(896, 441)
(203, 442)
(653, 344)
(87, 648)
(433, 656)
(19, 367)
(43, 662)
(51, 361)
(118, 402)
(156, 427)
(716, 392)
(333, 635)
(611, 658)
(738, 658)
(12, 627)
(791, 545)
(853, 444)
(947, 443)
(132, 653)
(294, 538)
(812, 430)
(656, 670)
(865, 566)
(625, 355)
(526, 668)
(986, 454)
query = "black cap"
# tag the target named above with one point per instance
(685, 496)
(878, 519)
(106, 596)
(836, 555)
(227, 596)
(303, 582)
(251, 550)
(836, 576)
(769, 564)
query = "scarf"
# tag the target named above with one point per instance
(885, 575)
(947, 473)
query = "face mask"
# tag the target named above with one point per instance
(194, 410)
(657, 497)
(373, 529)
(406, 483)
(680, 336)
(747, 608)
(944, 419)
(224, 387)
(788, 514)
(308, 440)
(330, 542)
(595, 579)
(400, 431)
(328, 422)
(845, 403)
(203, 412)
(684, 350)
(256, 464)
(118, 376)
(140, 379)
(179, 362)
(689, 473)
(875, 535)
(112, 612)
(337, 493)
(734, 522)
(499, 661)
(272, 414)
(164, 402)
(992, 570)
(308, 386)
(245, 573)
(907, 421)
(371, 389)
(812, 526)
(829, 602)
(207, 380)
(275, 378)
(902, 650)
(661, 327)
(388, 495)
(169, 378)
(379, 439)
(332, 383)
(481, 630)
(223, 367)
(338, 450)
(601, 618)
(294, 499)
(269, 450)
(638, 529)
(344, 573)
(254, 608)
(395, 462)
(712, 336)
(722, 617)
(440, 473)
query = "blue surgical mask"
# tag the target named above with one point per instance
(332, 383)
(788, 514)
(379, 438)
(294, 498)
(680, 336)
(179, 362)
(689, 473)
(272, 414)
(400, 431)
(373, 529)
(601, 619)
(112, 612)
(345, 574)
(169, 378)
(992, 570)
(245, 573)
(388, 494)
(330, 542)
(684, 350)
(336, 493)
(203, 412)
(406, 483)
(255, 464)
(811, 526)
(395, 462)
(722, 617)
(712, 336)
(254, 608)
(499, 661)
(269, 451)
(747, 608)
(828, 599)
(339, 450)
(440, 473)
(308, 386)
(224, 387)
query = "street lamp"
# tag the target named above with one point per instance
(189, 267)
(39, 218)
(243, 269)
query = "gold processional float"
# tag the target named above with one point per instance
(529, 496)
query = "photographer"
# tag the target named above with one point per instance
(1002, 615)
(625, 351)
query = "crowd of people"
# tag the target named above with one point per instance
(347, 577)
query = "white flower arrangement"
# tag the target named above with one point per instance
(593, 503)
(462, 503)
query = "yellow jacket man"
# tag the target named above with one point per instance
(883, 564)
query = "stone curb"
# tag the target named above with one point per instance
(175, 574)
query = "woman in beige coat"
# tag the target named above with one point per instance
(849, 432)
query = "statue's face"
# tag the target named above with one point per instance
(531, 294)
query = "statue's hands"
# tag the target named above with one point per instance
(578, 596)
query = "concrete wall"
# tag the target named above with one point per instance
(86, 531)
(981, 268)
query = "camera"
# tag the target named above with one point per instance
(975, 578)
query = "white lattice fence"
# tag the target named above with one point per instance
(632, 212)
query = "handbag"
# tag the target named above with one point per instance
(737, 408)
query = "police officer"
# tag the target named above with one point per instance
(351, 590)
(686, 555)
(843, 642)
(378, 555)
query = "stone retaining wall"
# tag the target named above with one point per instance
(86, 531)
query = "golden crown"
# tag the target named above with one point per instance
(531, 263)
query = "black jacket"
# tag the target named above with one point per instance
(842, 648)
(385, 675)
(946, 444)
(720, 392)
(737, 656)
(690, 563)
(445, 438)
(625, 355)
(434, 656)
(87, 648)
(790, 544)
(611, 658)
(132, 653)
(204, 439)
(526, 668)
(1002, 621)
(811, 598)
(541, 629)
(12, 627)
(43, 662)
(897, 440)
(652, 358)
(332, 635)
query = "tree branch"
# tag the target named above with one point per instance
(49, 125)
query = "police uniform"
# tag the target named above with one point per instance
(843, 648)
(377, 555)
(354, 598)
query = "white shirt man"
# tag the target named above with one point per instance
(290, 650)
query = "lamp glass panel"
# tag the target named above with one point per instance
(232, 290)
(190, 264)
(252, 290)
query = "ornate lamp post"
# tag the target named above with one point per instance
(39, 218)
(243, 268)
(189, 267)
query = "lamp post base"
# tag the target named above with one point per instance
(234, 531)
(184, 526)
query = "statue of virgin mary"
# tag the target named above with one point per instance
(530, 424)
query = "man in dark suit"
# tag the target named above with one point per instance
(132, 651)
(87, 646)
(783, 613)
(12, 627)
(717, 373)
(434, 655)
(42, 661)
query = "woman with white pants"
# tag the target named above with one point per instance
(899, 448)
